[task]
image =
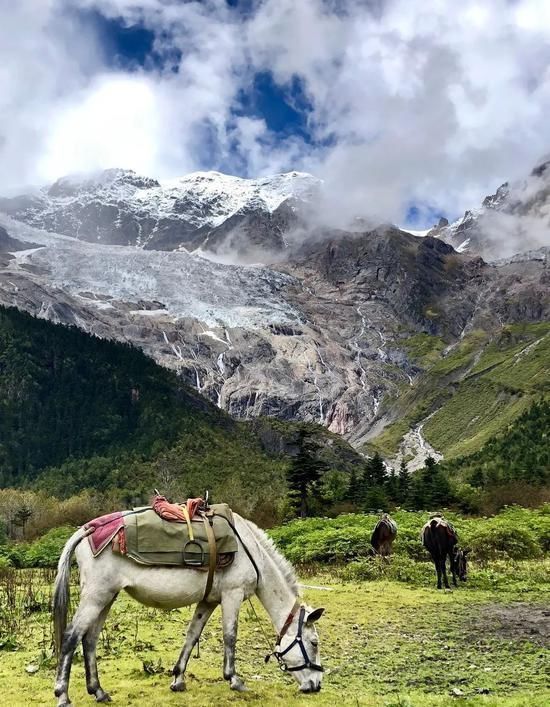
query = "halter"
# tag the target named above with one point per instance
(298, 641)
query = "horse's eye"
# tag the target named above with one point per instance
(314, 642)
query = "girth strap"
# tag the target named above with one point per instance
(212, 553)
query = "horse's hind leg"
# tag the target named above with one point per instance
(89, 644)
(437, 563)
(231, 604)
(203, 612)
(444, 570)
(86, 616)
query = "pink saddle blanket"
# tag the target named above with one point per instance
(104, 530)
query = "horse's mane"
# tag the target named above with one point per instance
(287, 570)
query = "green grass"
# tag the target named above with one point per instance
(424, 349)
(476, 389)
(383, 643)
(388, 637)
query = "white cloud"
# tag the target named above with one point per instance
(434, 102)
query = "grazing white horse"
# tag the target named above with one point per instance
(258, 568)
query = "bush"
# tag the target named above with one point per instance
(505, 542)
(45, 551)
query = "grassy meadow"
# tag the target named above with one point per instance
(388, 637)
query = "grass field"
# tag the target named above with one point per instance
(383, 643)
(388, 637)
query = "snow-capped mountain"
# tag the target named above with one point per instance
(207, 210)
(319, 336)
(515, 219)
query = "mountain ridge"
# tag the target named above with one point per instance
(317, 335)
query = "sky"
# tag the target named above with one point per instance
(407, 111)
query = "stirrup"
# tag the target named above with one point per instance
(189, 558)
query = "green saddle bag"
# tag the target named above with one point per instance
(150, 540)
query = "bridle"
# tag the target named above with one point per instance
(298, 641)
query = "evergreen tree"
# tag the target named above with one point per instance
(404, 482)
(376, 499)
(304, 473)
(375, 471)
(392, 487)
(354, 487)
(437, 489)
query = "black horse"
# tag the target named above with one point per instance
(441, 540)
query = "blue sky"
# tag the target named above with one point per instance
(284, 108)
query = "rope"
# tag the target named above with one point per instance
(266, 638)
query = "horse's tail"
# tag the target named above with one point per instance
(61, 592)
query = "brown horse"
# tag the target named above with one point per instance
(383, 535)
(441, 540)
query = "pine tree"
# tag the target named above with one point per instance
(392, 487)
(375, 471)
(354, 487)
(404, 482)
(305, 472)
(437, 489)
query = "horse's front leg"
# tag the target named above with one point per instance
(453, 571)
(231, 604)
(203, 612)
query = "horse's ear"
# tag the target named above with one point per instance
(315, 615)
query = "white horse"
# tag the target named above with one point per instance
(258, 568)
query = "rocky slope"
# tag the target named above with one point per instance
(321, 337)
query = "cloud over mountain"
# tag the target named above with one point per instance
(433, 105)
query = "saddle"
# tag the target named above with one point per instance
(192, 534)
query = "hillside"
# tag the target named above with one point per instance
(467, 392)
(78, 412)
(267, 311)
(520, 453)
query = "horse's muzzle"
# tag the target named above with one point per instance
(309, 687)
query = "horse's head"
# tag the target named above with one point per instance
(298, 650)
(460, 563)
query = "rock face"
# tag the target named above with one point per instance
(514, 219)
(318, 337)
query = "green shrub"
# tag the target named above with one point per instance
(45, 551)
(505, 542)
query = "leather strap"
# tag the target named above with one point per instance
(289, 619)
(188, 521)
(213, 555)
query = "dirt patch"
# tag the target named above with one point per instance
(520, 621)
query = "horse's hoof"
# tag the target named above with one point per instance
(238, 685)
(178, 687)
(103, 697)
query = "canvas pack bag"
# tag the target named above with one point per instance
(150, 540)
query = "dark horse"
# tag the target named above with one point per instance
(383, 535)
(441, 540)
